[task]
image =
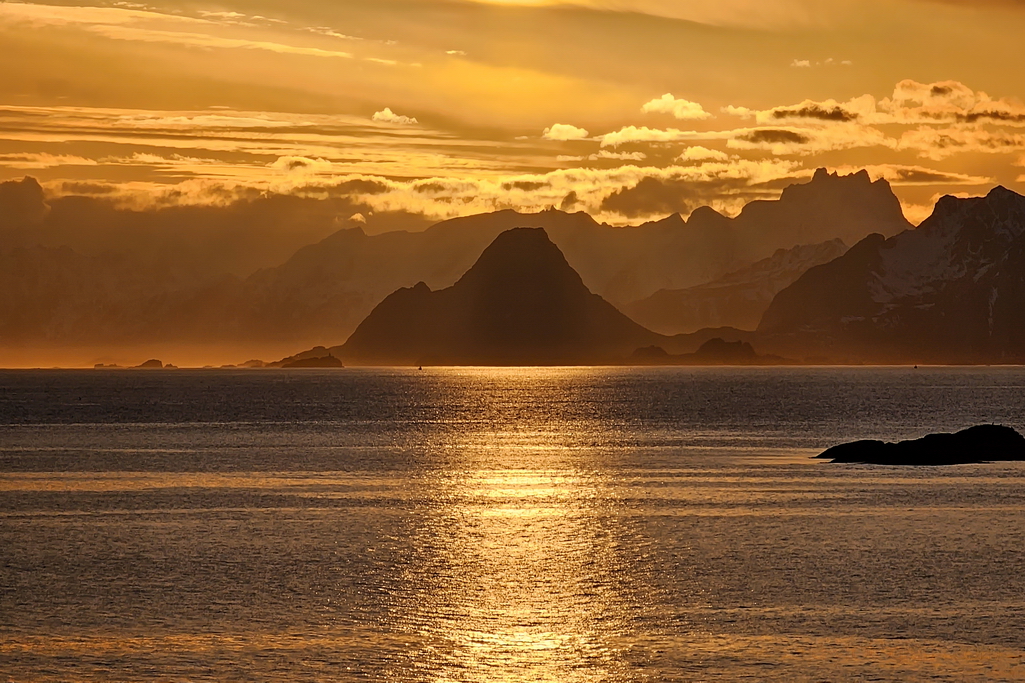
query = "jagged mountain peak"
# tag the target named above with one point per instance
(999, 215)
(826, 185)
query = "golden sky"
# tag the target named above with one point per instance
(449, 107)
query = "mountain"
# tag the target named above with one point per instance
(830, 206)
(165, 291)
(520, 304)
(326, 289)
(953, 290)
(737, 299)
(56, 294)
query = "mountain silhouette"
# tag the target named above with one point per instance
(952, 290)
(170, 291)
(326, 289)
(520, 304)
(738, 299)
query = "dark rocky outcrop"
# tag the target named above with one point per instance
(983, 443)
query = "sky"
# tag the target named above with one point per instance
(626, 109)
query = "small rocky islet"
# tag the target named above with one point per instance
(979, 444)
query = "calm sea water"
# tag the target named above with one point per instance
(504, 525)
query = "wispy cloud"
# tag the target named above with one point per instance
(150, 26)
(35, 161)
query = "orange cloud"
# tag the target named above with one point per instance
(679, 108)
(564, 132)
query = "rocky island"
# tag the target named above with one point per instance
(982, 443)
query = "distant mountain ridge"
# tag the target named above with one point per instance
(324, 290)
(953, 290)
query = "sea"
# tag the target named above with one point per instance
(482, 524)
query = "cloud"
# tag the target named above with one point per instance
(859, 109)
(740, 112)
(949, 102)
(569, 202)
(807, 63)
(618, 156)
(722, 184)
(808, 140)
(679, 108)
(119, 23)
(912, 103)
(201, 121)
(360, 186)
(812, 110)
(564, 132)
(760, 15)
(905, 175)
(242, 145)
(330, 32)
(221, 15)
(941, 143)
(604, 155)
(388, 116)
(630, 134)
(29, 161)
(297, 164)
(681, 190)
(941, 94)
(699, 153)
(773, 137)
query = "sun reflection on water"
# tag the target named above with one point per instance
(516, 578)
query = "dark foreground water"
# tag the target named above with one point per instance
(503, 525)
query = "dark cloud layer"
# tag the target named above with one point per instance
(774, 137)
(818, 112)
(674, 195)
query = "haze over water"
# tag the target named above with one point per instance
(504, 525)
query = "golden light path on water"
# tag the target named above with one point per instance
(518, 574)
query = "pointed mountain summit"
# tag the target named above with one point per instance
(520, 304)
(952, 290)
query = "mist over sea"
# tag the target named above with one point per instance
(579, 524)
